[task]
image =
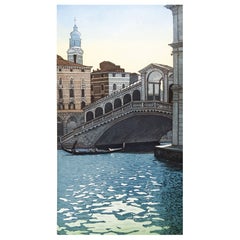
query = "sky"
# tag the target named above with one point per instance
(131, 36)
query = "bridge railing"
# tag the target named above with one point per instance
(115, 94)
(136, 106)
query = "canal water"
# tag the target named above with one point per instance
(118, 193)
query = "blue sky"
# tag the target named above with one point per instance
(132, 36)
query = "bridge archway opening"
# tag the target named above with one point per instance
(136, 95)
(71, 123)
(108, 107)
(154, 81)
(126, 99)
(117, 103)
(98, 112)
(89, 116)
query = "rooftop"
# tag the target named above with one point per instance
(63, 62)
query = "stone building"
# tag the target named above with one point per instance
(177, 88)
(107, 79)
(73, 93)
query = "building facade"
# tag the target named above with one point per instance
(73, 93)
(177, 88)
(75, 52)
(107, 79)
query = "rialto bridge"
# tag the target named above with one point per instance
(140, 113)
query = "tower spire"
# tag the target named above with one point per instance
(75, 53)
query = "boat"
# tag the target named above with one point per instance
(90, 151)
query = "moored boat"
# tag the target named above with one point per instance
(89, 151)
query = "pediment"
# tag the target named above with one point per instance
(161, 67)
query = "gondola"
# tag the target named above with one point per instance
(90, 151)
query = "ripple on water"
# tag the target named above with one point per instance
(126, 203)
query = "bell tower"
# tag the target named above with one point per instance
(75, 52)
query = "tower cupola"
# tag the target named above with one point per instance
(75, 53)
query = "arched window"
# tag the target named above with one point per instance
(108, 107)
(83, 104)
(98, 112)
(71, 93)
(71, 106)
(126, 99)
(89, 116)
(83, 93)
(153, 86)
(60, 106)
(123, 86)
(136, 95)
(60, 93)
(117, 103)
(114, 87)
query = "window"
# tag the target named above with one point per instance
(102, 87)
(123, 75)
(71, 81)
(114, 74)
(75, 58)
(91, 87)
(154, 80)
(71, 93)
(60, 93)
(123, 86)
(82, 70)
(114, 87)
(71, 70)
(83, 93)
(83, 104)
(60, 81)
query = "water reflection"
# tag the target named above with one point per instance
(118, 194)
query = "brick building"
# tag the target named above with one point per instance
(107, 79)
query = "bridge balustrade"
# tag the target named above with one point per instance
(134, 106)
(117, 94)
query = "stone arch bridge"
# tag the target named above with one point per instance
(126, 116)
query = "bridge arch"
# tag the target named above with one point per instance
(136, 95)
(89, 116)
(154, 84)
(71, 123)
(117, 103)
(126, 99)
(98, 112)
(108, 107)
